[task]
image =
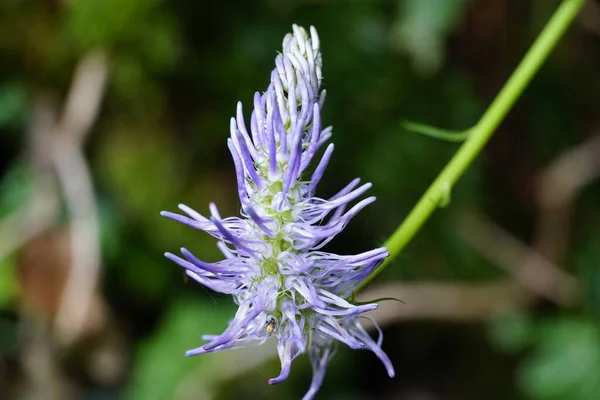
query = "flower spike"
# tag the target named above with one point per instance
(284, 285)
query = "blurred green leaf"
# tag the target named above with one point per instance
(141, 35)
(147, 273)
(139, 165)
(9, 286)
(160, 364)
(9, 338)
(16, 187)
(565, 361)
(110, 230)
(422, 29)
(511, 332)
(586, 260)
(13, 103)
(106, 22)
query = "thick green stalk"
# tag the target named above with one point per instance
(481, 133)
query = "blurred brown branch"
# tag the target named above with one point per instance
(536, 268)
(525, 265)
(61, 173)
(590, 17)
(445, 301)
(56, 155)
(41, 211)
(558, 186)
(81, 109)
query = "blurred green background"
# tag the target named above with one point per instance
(524, 219)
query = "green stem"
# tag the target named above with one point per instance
(481, 133)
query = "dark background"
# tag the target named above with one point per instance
(502, 287)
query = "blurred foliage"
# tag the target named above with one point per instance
(9, 287)
(184, 323)
(565, 361)
(13, 101)
(177, 70)
(563, 355)
(585, 261)
(15, 190)
(16, 187)
(140, 33)
(422, 28)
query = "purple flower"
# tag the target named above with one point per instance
(284, 285)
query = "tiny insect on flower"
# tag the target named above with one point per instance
(274, 268)
(271, 327)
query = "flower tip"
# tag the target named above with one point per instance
(390, 371)
(183, 207)
(214, 211)
(195, 352)
(369, 200)
(285, 372)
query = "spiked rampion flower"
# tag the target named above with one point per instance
(282, 282)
